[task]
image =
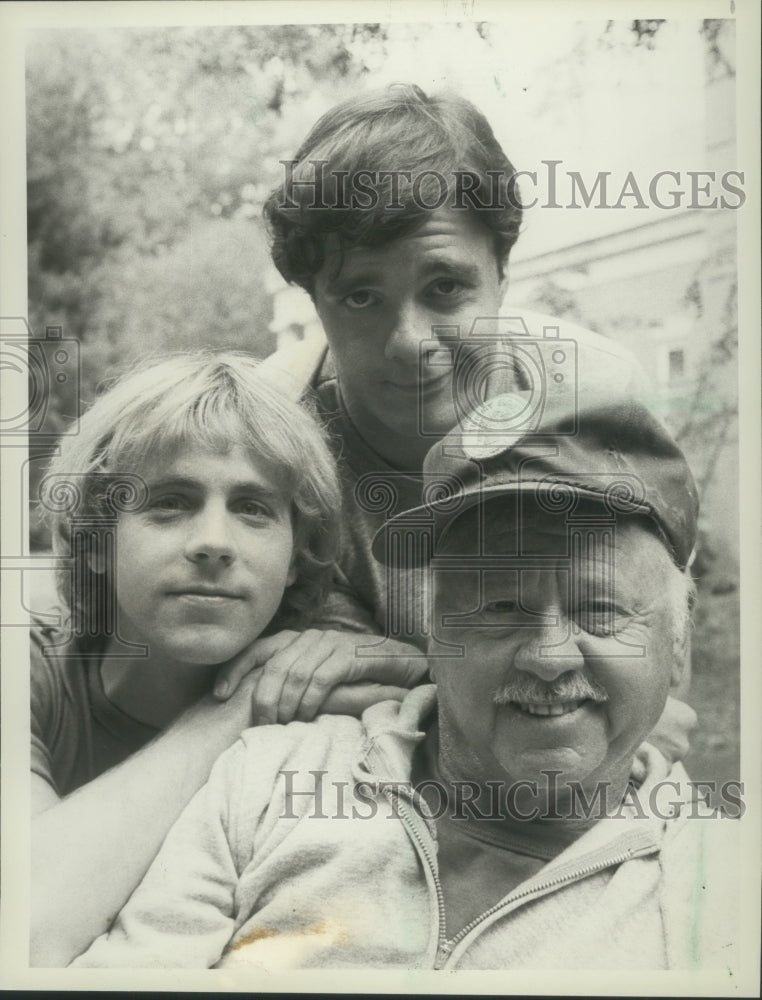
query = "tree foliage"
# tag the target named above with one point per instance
(149, 155)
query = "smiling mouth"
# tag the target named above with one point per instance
(547, 709)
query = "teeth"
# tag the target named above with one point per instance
(546, 709)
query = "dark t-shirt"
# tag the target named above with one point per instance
(362, 598)
(77, 733)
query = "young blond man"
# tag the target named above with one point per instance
(204, 533)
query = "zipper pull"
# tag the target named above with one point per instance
(443, 954)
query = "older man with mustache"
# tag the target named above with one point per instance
(512, 816)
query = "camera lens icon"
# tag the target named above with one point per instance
(34, 370)
(26, 388)
(485, 371)
(523, 371)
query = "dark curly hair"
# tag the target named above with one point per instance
(373, 167)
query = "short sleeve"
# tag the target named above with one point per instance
(45, 707)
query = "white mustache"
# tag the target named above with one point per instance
(528, 689)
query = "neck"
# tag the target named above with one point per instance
(546, 817)
(405, 452)
(153, 690)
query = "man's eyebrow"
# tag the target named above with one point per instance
(350, 279)
(253, 488)
(161, 481)
(250, 486)
(450, 267)
(367, 274)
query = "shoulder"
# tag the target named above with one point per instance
(340, 745)
(299, 367)
(701, 881)
(273, 776)
(61, 682)
(59, 705)
(702, 839)
(53, 659)
(590, 358)
(270, 762)
(700, 862)
(329, 742)
(701, 871)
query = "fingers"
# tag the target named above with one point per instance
(397, 663)
(353, 699)
(685, 715)
(302, 672)
(328, 676)
(230, 674)
(311, 662)
(638, 770)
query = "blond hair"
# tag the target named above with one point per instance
(214, 400)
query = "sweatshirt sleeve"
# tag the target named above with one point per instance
(182, 913)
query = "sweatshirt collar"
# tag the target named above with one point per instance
(394, 730)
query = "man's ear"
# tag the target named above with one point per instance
(681, 660)
(680, 673)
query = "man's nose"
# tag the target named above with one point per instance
(549, 649)
(209, 536)
(412, 325)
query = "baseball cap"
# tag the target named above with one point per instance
(614, 453)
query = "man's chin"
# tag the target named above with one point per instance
(548, 772)
(204, 650)
(409, 419)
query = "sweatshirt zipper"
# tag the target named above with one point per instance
(446, 947)
(424, 850)
(449, 946)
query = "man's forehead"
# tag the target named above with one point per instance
(517, 529)
(445, 233)
(624, 557)
(507, 527)
(200, 463)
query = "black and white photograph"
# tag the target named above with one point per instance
(380, 445)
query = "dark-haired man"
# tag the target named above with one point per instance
(384, 270)
(397, 215)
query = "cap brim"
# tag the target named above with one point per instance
(428, 520)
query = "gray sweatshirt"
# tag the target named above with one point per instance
(308, 847)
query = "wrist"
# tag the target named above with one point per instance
(230, 717)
